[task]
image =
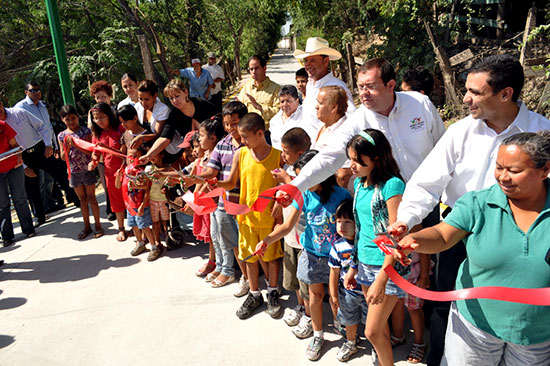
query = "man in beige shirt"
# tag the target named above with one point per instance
(261, 95)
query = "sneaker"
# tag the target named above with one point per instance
(274, 308)
(140, 248)
(242, 288)
(346, 351)
(111, 216)
(293, 316)
(155, 253)
(250, 304)
(313, 351)
(304, 328)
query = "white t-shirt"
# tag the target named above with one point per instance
(160, 113)
(278, 127)
(215, 71)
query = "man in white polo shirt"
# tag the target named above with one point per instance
(409, 121)
(464, 160)
(316, 58)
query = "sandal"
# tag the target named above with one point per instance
(211, 276)
(395, 342)
(220, 283)
(98, 233)
(416, 354)
(206, 269)
(122, 236)
(84, 233)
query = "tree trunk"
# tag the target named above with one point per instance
(146, 57)
(448, 76)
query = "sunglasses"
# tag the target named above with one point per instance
(34, 90)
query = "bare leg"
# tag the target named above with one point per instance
(351, 332)
(377, 330)
(417, 321)
(253, 271)
(137, 234)
(273, 270)
(81, 193)
(316, 293)
(242, 264)
(156, 231)
(149, 235)
(90, 195)
(398, 319)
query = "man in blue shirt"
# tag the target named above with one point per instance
(200, 80)
(33, 103)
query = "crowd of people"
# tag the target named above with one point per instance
(381, 167)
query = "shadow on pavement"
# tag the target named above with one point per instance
(66, 269)
(12, 302)
(6, 340)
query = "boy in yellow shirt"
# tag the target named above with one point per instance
(252, 166)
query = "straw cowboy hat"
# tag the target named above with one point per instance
(318, 46)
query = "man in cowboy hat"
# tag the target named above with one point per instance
(316, 61)
(261, 95)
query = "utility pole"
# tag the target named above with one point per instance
(60, 54)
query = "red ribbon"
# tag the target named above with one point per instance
(88, 146)
(203, 203)
(529, 296)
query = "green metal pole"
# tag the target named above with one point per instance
(60, 54)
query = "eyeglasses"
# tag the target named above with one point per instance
(369, 87)
(34, 90)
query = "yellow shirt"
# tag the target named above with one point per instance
(267, 95)
(255, 177)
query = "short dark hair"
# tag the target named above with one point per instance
(289, 90)
(262, 60)
(148, 86)
(31, 83)
(252, 122)
(66, 110)
(327, 186)
(297, 139)
(302, 72)
(504, 71)
(345, 210)
(385, 165)
(128, 75)
(234, 107)
(419, 79)
(387, 72)
(127, 112)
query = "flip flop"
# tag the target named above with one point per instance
(98, 233)
(122, 236)
(84, 234)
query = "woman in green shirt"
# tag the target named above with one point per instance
(505, 230)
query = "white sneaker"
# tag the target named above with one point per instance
(293, 316)
(242, 287)
(304, 328)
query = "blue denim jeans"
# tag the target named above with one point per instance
(225, 237)
(14, 182)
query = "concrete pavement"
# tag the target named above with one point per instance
(70, 302)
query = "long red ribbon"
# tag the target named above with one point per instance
(204, 203)
(529, 296)
(88, 146)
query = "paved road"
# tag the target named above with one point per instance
(70, 302)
